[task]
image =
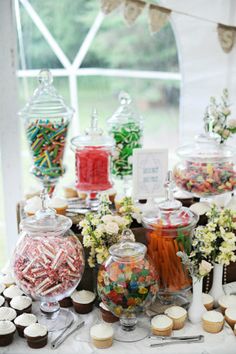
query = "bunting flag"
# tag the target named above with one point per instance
(226, 35)
(132, 10)
(107, 6)
(158, 17)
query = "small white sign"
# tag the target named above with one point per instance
(150, 168)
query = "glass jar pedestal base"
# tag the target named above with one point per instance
(131, 329)
(54, 317)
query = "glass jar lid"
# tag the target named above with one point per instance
(125, 112)
(46, 221)
(169, 214)
(46, 102)
(93, 136)
(128, 249)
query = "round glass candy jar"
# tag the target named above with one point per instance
(168, 230)
(126, 128)
(92, 159)
(47, 119)
(48, 261)
(127, 281)
(207, 167)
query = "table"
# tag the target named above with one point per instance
(221, 343)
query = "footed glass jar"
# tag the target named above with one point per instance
(126, 128)
(92, 161)
(48, 262)
(207, 167)
(46, 120)
(168, 230)
(127, 281)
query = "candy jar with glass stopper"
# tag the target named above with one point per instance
(207, 167)
(126, 128)
(92, 162)
(46, 120)
(168, 230)
(127, 285)
(48, 263)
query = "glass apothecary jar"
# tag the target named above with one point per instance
(127, 283)
(93, 160)
(169, 227)
(48, 263)
(207, 168)
(126, 128)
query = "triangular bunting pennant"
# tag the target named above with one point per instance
(107, 6)
(226, 35)
(158, 16)
(132, 10)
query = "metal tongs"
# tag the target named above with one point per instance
(65, 334)
(176, 340)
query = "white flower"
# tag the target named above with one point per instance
(120, 220)
(111, 228)
(232, 123)
(217, 128)
(226, 111)
(226, 133)
(137, 216)
(204, 268)
(107, 218)
(100, 228)
(116, 154)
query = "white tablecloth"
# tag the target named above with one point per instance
(221, 343)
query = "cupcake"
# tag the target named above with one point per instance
(178, 315)
(226, 301)
(7, 314)
(208, 301)
(21, 304)
(36, 335)
(23, 321)
(161, 325)
(107, 315)
(70, 192)
(83, 301)
(212, 321)
(66, 302)
(7, 330)
(184, 197)
(2, 301)
(11, 292)
(2, 288)
(59, 204)
(102, 335)
(201, 210)
(33, 205)
(230, 316)
(7, 280)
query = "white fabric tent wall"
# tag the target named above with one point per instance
(206, 70)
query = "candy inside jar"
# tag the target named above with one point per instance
(127, 282)
(48, 262)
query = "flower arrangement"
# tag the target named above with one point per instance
(217, 240)
(100, 231)
(195, 263)
(218, 114)
(129, 210)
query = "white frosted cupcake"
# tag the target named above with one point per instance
(36, 335)
(59, 204)
(23, 321)
(208, 301)
(102, 335)
(2, 301)
(178, 315)
(226, 301)
(161, 325)
(11, 292)
(33, 205)
(212, 321)
(21, 304)
(230, 316)
(7, 330)
(7, 314)
(7, 280)
(83, 301)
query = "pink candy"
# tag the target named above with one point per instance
(48, 266)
